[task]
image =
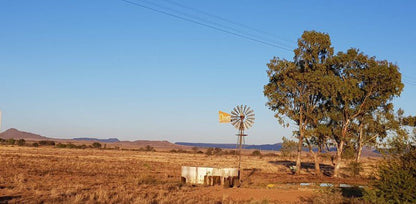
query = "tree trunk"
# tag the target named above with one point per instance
(317, 168)
(298, 162)
(360, 144)
(340, 148)
(315, 157)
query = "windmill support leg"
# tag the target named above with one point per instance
(239, 154)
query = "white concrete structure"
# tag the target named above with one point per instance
(209, 175)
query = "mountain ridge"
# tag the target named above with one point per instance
(13, 133)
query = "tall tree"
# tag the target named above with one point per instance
(296, 88)
(363, 85)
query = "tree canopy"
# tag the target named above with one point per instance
(331, 97)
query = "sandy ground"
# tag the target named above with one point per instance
(50, 175)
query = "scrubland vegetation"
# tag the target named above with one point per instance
(52, 174)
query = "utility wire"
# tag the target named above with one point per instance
(206, 25)
(211, 22)
(222, 28)
(229, 21)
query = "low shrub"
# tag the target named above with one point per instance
(256, 153)
(355, 168)
(47, 143)
(96, 145)
(209, 151)
(149, 148)
(11, 141)
(21, 142)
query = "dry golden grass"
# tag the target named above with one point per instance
(54, 175)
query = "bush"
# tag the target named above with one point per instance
(47, 143)
(217, 151)
(288, 147)
(11, 141)
(71, 146)
(232, 152)
(96, 145)
(354, 168)
(21, 142)
(209, 151)
(149, 148)
(60, 145)
(35, 144)
(349, 152)
(396, 181)
(256, 153)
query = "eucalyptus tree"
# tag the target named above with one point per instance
(363, 84)
(409, 121)
(372, 127)
(297, 88)
(317, 137)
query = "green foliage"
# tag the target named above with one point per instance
(20, 142)
(327, 195)
(396, 176)
(288, 147)
(355, 168)
(71, 146)
(297, 89)
(209, 151)
(96, 145)
(178, 151)
(217, 151)
(35, 144)
(11, 141)
(256, 153)
(341, 96)
(149, 148)
(47, 143)
(348, 152)
(409, 121)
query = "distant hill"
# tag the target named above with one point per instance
(275, 147)
(109, 140)
(13, 133)
(143, 143)
(367, 151)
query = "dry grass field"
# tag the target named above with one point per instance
(56, 175)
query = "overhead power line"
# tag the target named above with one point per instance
(220, 27)
(210, 22)
(261, 32)
(238, 34)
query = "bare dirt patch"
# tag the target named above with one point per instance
(50, 175)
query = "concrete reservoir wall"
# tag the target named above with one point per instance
(209, 175)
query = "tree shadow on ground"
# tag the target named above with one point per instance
(6, 199)
(326, 169)
(352, 192)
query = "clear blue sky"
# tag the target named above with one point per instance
(106, 68)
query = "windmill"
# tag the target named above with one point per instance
(242, 118)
